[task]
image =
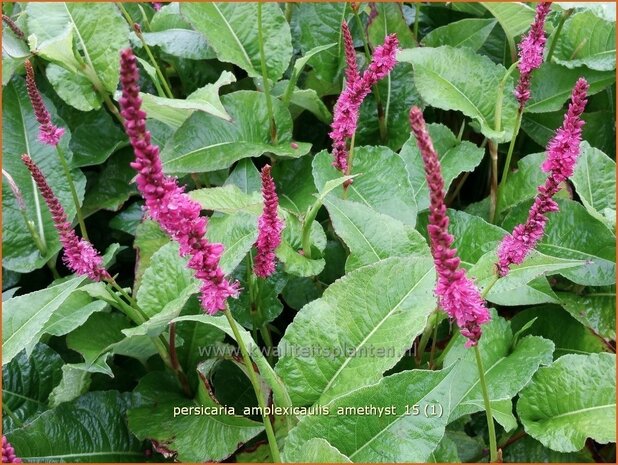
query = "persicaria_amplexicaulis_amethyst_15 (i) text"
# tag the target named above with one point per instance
(8, 453)
(456, 293)
(166, 201)
(80, 255)
(562, 152)
(346, 112)
(531, 50)
(269, 228)
(48, 132)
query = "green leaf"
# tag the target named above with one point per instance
(159, 418)
(74, 383)
(371, 236)
(231, 29)
(237, 233)
(148, 239)
(74, 89)
(385, 19)
(21, 136)
(597, 195)
(595, 309)
(471, 33)
(393, 436)
(174, 112)
(208, 143)
(552, 86)
(459, 79)
(561, 422)
(68, 432)
(228, 199)
(297, 264)
(455, 157)
(167, 283)
(522, 184)
(382, 183)
(587, 40)
(528, 449)
(316, 450)
(24, 317)
(515, 18)
(27, 383)
(295, 185)
(572, 233)
(446, 452)
(507, 369)
(377, 309)
(551, 322)
(246, 177)
(317, 24)
(182, 43)
(304, 99)
(99, 30)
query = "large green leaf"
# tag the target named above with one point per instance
(182, 435)
(295, 185)
(572, 233)
(231, 29)
(24, 317)
(388, 18)
(552, 85)
(514, 17)
(598, 194)
(563, 422)
(207, 143)
(455, 157)
(20, 135)
(459, 79)
(393, 435)
(330, 348)
(91, 428)
(594, 308)
(371, 236)
(382, 183)
(74, 89)
(99, 31)
(587, 40)
(471, 33)
(180, 42)
(27, 383)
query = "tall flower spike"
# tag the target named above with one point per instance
(531, 50)
(269, 228)
(48, 133)
(351, 71)
(8, 453)
(348, 105)
(166, 201)
(80, 255)
(457, 294)
(562, 153)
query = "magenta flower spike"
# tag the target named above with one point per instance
(531, 50)
(347, 108)
(8, 453)
(562, 153)
(48, 133)
(80, 256)
(269, 228)
(166, 201)
(457, 294)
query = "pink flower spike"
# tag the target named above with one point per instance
(457, 294)
(345, 118)
(166, 201)
(48, 133)
(351, 72)
(8, 453)
(562, 153)
(531, 50)
(80, 255)
(269, 228)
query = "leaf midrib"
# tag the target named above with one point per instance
(229, 26)
(578, 411)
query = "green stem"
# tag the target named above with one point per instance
(175, 363)
(306, 231)
(431, 322)
(493, 194)
(270, 434)
(493, 444)
(71, 183)
(509, 155)
(565, 15)
(417, 20)
(434, 339)
(110, 105)
(288, 11)
(491, 284)
(266, 82)
(153, 62)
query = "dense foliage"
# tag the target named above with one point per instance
(129, 335)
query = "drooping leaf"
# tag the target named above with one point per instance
(74, 383)
(595, 308)
(75, 89)
(471, 33)
(563, 422)
(246, 177)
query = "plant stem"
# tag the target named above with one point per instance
(509, 155)
(168, 92)
(434, 339)
(493, 193)
(268, 340)
(71, 183)
(175, 364)
(270, 434)
(493, 447)
(306, 231)
(552, 47)
(266, 82)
